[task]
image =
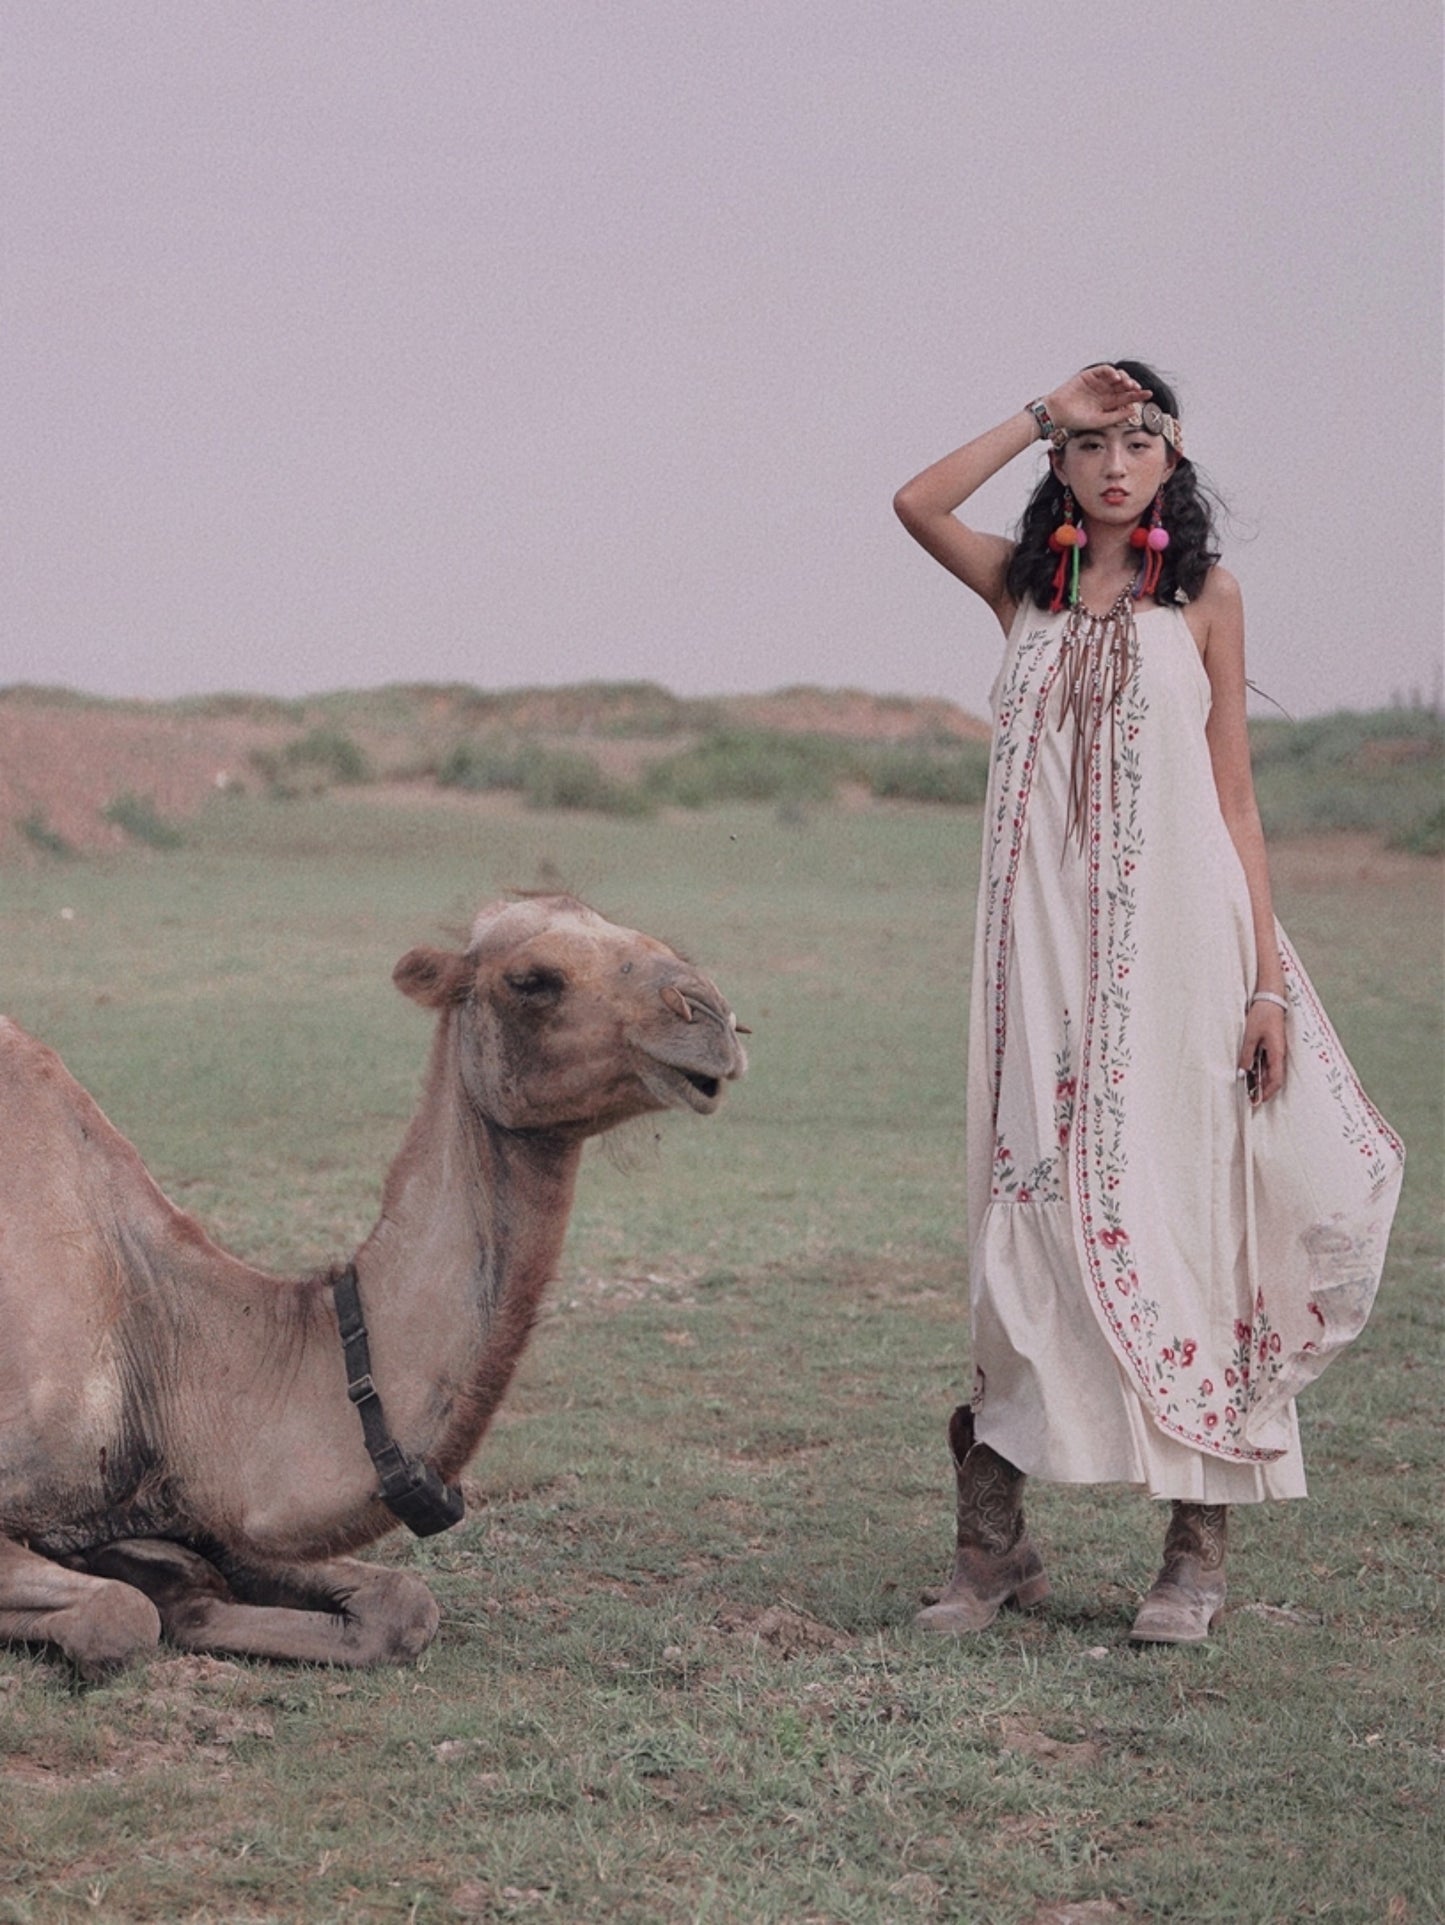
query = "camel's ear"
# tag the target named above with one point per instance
(433, 977)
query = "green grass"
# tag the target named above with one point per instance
(675, 1679)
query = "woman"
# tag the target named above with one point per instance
(1179, 1196)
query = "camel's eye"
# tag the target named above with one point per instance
(538, 986)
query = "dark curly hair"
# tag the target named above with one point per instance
(1188, 515)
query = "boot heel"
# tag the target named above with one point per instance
(1033, 1591)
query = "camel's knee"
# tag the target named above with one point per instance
(109, 1628)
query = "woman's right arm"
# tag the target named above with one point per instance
(926, 507)
(1096, 398)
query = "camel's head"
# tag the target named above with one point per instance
(563, 1021)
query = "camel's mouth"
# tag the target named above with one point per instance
(680, 1088)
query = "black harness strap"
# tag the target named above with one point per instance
(410, 1488)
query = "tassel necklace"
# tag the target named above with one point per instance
(1098, 652)
(1095, 662)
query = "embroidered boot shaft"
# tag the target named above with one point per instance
(1186, 1600)
(995, 1563)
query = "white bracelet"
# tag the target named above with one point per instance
(1267, 996)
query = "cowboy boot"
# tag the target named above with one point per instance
(995, 1563)
(1187, 1598)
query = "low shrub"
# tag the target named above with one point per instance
(547, 778)
(138, 816)
(38, 832)
(312, 763)
(564, 779)
(1426, 837)
(753, 765)
(956, 776)
(486, 762)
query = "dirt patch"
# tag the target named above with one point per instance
(1025, 1740)
(191, 1710)
(1086, 1911)
(62, 767)
(790, 1632)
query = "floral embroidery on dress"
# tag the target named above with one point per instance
(1013, 774)
(1218, 1380)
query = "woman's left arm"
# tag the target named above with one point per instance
(1216, 619)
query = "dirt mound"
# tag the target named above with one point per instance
(68, 760)
(62, 766)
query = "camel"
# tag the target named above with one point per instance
(191, 1447)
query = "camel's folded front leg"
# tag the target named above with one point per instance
(97, 1622)
(340, 1612)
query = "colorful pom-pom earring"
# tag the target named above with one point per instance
(1153, 540)
(1066, 541)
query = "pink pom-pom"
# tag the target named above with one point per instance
(1158, 539)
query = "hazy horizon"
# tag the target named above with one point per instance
(351, 346)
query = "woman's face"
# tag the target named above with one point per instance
(1115, 473)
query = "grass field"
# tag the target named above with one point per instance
(675, 1679)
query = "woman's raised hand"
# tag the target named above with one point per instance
(1096, 398)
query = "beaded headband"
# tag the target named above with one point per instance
(1150, 417)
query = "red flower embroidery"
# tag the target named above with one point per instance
(1111, 1239)
(1211, 1420)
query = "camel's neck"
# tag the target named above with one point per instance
(471, 1228)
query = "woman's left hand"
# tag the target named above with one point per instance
(1265, 1051)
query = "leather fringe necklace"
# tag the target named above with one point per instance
(1096, 660)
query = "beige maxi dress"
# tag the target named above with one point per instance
(1157, 1266)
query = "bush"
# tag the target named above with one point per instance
(547, 778)
(492, 762)
(753, 765)
(957, 776)
(312, 763)
(1425, 837)
(142, 821)
(563, 779)
(39, 833)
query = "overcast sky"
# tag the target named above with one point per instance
(356, 341)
